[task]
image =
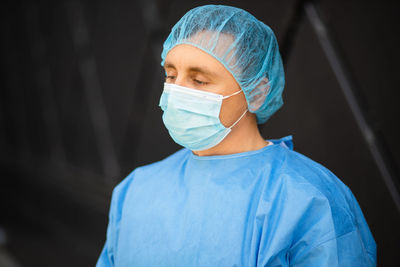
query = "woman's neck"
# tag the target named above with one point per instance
(243, 137)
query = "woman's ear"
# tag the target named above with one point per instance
(259, 94)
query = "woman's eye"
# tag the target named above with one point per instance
(169, 77)
(199, 82)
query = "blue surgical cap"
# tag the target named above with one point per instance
(244, 45)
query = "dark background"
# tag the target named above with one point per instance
(80, 84)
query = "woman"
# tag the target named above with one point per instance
(230, 197)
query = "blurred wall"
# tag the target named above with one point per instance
(80, 84)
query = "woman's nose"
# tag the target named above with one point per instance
(180, 80)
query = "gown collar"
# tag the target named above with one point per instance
(286, 142)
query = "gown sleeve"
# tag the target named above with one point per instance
(107, 256)
(346, 250)
(353, 247)
(315, 222)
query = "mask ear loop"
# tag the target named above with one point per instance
(239, 119)
(235, 93)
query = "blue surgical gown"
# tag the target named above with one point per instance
(268, 207)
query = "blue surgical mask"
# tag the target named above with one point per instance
(192, 116)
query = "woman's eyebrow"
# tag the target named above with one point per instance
(169, 65)
(202, 70)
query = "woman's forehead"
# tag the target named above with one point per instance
(190, 57)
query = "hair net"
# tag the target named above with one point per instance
(244, 45)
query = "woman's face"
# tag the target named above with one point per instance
(189, 66)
